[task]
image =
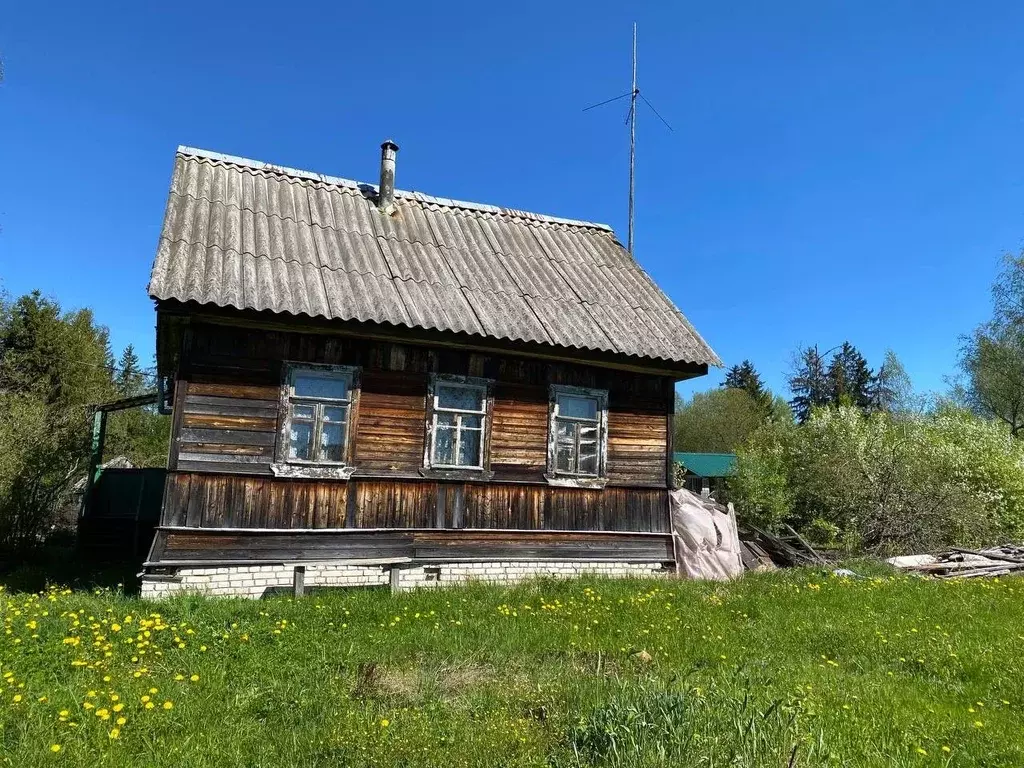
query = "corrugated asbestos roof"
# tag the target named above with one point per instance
(243, 234)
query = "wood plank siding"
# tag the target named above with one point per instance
(177, 546)
(227, 422)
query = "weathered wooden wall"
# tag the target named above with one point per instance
(205, 546)
(226, 426)
(201, 500)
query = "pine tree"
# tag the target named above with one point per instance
(129, 379)
(851, 381)
(809, 383)
(744, 376)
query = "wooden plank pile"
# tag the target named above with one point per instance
(959, 563)
(761, 549)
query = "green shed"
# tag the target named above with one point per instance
(705, 473)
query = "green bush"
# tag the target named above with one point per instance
(883, 482)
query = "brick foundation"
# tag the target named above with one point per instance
(254, 580)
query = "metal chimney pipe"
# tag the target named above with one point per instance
(386, 190)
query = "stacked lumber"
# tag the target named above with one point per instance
(784, 550)
(959, 563)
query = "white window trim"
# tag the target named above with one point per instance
(433, 409)
(555, 476)
(286, 466)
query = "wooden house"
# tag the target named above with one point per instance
(367, 382)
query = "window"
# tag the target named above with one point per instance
(458, 423)
(319, 402)
(578, 418)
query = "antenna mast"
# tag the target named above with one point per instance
(632, 143)
(634, 94)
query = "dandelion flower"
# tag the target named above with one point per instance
(921, 751)
(17, 698)
(144, 699)
(121, 721)
(149, 705)
(385, 723)
(115, 732)
(55, 748)
(194, 678)
(945, 748)
(168, 705)
(118, 707)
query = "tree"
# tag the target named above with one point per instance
(992, 357)
(850, 380)
(129, 378)
(744, 376)
(52, 366)
(55, 365)
(809, 383)
(718, 421)
(891, 389)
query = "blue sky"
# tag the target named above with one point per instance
(837, 170)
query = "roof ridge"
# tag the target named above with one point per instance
(409, 195)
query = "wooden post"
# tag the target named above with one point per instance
(99, 433)
(299, 580)
(395, 574)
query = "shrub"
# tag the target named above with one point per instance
(886, 483)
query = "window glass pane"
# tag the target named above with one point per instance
(334, 414)
(300, 440)
(588, 464)
(444, 446)
(565, 430)
(469, 448)
(563, 458)
(446, 419)
(332, 442)
(301, 411)
(307, 385)
(473, 422)
(462, 398)
(577, 407)
(588, 433)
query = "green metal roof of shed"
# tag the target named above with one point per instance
(707, 464)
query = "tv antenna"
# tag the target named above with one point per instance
(633, 94)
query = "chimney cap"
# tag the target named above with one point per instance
(389, 144)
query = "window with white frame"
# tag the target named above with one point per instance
(578, 426)
(458, 423)
(319, 403)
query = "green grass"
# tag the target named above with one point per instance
(793, 668)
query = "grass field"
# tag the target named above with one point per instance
(794, 668)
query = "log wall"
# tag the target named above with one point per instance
(226, 427)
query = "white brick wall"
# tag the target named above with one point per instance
(254, 580)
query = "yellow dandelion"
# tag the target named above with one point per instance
(921, 751)
(114, 732)
(154, 690)
(55, 748)
(168, 705)
(945, 748)
(144, 699)
(121, 721)
(64, 713)
(17, 698)
(194, 678)
(118, 707)
(149, 705)
(385, 723)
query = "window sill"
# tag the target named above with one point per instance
(456, 474)
(562, 481)
(312, 472)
